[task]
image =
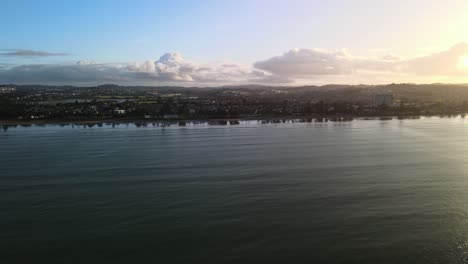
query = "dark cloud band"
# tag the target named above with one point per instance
(30, 53)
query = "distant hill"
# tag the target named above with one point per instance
(331, 92)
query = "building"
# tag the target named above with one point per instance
(383, 99)
(5, 90)
(119, 111)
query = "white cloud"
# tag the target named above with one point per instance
(171, 68)
(308, 62)
(297, 66)
(325, 65)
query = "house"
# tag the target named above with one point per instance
(119, 111)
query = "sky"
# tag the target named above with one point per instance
(230, 42)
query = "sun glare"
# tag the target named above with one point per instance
(463, 62)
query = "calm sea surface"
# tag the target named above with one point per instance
(366, 191)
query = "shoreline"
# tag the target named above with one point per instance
(272, 119)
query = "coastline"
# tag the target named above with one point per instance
(221, 121)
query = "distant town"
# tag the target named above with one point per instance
(38, 103)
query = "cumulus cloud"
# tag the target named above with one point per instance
(170, 68)
(298, 66)
(30, 53)
(308, 62)
(315, 63)
(304, 63)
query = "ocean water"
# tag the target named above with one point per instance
(366, 191)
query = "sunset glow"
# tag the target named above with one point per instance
(463, 63)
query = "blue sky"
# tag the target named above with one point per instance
(135, 30)
(236, 32)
